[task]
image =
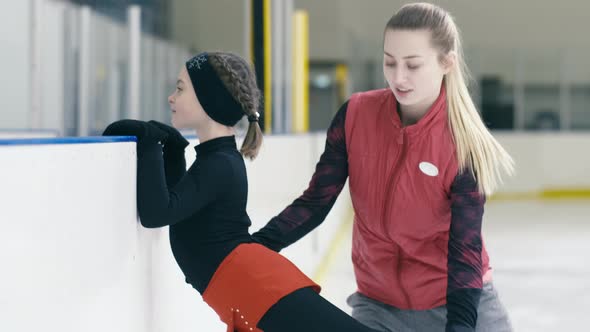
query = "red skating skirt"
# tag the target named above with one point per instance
(249, 281)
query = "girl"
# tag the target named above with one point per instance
(420, 163)
(250, 287)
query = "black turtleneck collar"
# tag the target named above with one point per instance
(216, 144)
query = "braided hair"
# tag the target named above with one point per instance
(239, 79)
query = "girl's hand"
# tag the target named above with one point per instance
(175, 140)
(140, 129)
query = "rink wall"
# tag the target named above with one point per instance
(548, 165)
(74, 256)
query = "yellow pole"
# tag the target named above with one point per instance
(341, 73)
(251, 32)
(267, 67)
(300, 72)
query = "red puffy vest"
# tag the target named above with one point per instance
(400, 180)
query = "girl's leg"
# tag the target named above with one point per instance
(306, 310)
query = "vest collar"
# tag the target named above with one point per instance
(436, 114)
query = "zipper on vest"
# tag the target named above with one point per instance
(393, 175)
(391, 185)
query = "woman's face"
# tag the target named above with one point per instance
(187, 112)
(412, 68)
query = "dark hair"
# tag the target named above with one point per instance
(239, 79)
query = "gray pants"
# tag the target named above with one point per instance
(492, 316)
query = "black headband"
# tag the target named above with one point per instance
(216, 100)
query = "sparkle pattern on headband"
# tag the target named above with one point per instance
(196, 62)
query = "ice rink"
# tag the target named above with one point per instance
(540, 254)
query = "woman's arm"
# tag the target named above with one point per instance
(465, 254)
(311, 208)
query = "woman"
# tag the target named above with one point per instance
(420, 163)
(250, 287)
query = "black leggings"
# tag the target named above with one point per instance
(306, 310)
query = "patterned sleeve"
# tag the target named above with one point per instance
(310, 209)
(465, 254)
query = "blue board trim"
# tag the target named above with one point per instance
(67, 140)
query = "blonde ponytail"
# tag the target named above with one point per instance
(477, 150)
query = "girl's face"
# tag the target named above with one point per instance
(187, 112)
(412, 68)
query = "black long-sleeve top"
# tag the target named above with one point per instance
(205, 206)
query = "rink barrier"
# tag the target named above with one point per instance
(67, 140)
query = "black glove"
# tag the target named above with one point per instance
(175, 141)
(144, 131)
